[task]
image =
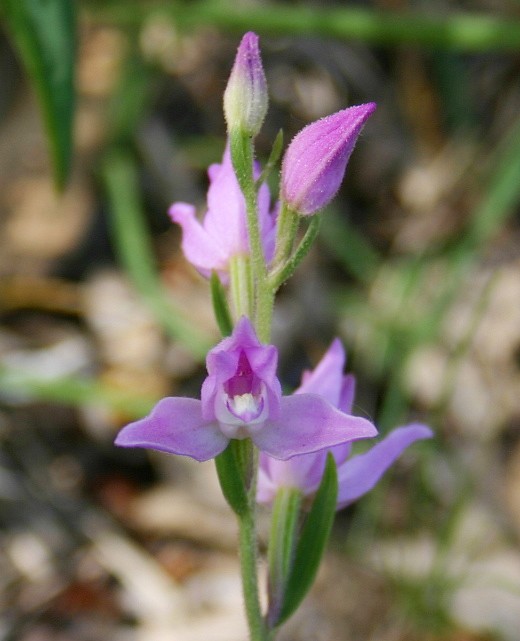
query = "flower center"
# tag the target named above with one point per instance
(245, 407)
(242, 405)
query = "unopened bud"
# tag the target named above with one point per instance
(245, 98)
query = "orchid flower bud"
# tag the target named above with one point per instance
(315, 161)
(245, 98)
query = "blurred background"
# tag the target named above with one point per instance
(109, 112)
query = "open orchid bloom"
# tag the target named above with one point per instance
(241, 398)
(315, 161)
(210, 245)
(356, 475)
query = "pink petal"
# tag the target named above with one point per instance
(225, 220)
(360, 474)
(302, 472)
(308, 423)
(198, 246)
(315, 161)
(347, 393)
(176, 426)
(327, 377)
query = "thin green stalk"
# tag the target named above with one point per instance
(242, 154)
(277, 278)
(273, 159)
(264, 298)
(249, 570)
(248, 543)
(241, 285)
(242, 157)
(287, 226)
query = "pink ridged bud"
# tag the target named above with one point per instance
(315, 161)
(245, 98)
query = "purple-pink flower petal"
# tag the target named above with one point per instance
(308, 423)
(326, 380)
(198, 244)
(298, 472)
(176, 426)
(211, 244)
(304, 472)
(360, 474)
(242, 398)
(315, 161)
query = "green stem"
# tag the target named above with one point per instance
(248, 546)
(242, 157)
(287, 226)
(278, 277)
(241, 285)
(264, 313)
(249, 570)
(262, 309)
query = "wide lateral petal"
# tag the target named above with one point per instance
(308, 423)
(176, 426)
(360, 474)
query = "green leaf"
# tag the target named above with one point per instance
(220, 305)
(312, 542)
(283, 539)
(44, 33)
(231, 477)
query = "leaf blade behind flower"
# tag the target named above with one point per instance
(312, 542)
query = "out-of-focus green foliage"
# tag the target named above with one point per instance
(456, 31)
(44, 33)
(132, 243)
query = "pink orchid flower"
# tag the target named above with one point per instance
(357, 474)
(241, 398)
(210, 245)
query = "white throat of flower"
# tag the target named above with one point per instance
(241, 415)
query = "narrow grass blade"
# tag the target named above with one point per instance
(133, 245)
(44, 33)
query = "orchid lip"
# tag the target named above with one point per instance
(242, 410)
(245, 407)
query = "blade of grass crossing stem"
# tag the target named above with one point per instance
(133, 246)
(44, 33)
